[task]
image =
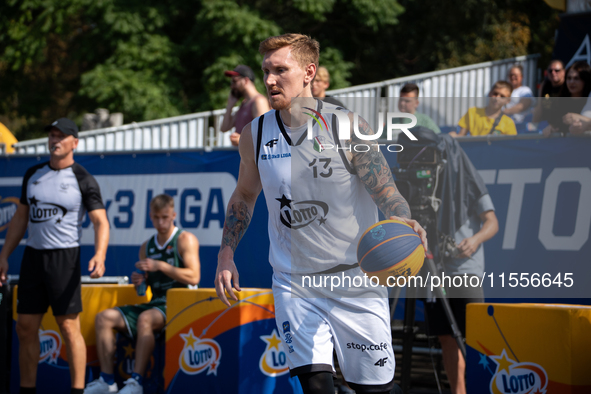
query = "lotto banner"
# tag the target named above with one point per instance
(225, 350)
(201, 184)
(540, 189)
(528, 348)
(53, 373)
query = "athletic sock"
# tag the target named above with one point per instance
(28, 390)
(76, 391)
(109, 378)
(138, 378)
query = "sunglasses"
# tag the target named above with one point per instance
(555, 70)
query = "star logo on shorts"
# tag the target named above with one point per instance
(321, 221)
(58, 221)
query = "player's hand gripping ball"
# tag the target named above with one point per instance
(390, 248)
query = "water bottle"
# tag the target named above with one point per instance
(141, 288)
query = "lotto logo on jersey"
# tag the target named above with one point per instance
(7, 210)
(199, 355)
(517, 378)
(50, 344)
(273, 361)
(44, 211)
(296, 215)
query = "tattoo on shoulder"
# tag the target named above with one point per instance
(373, 170)
(237, 221)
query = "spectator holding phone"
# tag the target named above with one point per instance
(253, 104)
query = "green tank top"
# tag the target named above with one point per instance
(158, 281)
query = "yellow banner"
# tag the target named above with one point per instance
(525, 347)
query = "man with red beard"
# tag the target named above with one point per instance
(339, 191)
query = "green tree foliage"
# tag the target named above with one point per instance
(449, 33)
(151, 59)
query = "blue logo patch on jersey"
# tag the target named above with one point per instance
(277, 156)
(286, 327)
(378, 233)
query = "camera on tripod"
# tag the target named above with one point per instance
(418, 180)
(420, 164)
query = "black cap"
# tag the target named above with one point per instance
(65, 125)
(242, 70)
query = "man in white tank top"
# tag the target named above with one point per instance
(319, 202)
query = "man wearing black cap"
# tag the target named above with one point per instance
(253, 105)
(55, 197)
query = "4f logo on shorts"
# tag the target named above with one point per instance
(381, 362)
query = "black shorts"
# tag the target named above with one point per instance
(437, 322)
(50, 278)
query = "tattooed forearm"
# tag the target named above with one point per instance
(373, 169)
(237, 221)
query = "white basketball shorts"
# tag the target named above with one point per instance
(358, 329)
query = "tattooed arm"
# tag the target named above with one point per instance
(374, 171)
(238, 217)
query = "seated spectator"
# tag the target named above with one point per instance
(521, 102)
(578, 124)
(554, 81)
(551, 87)
(7, 138)
(408, 103)
(170, 259)
(489, 120)
(320, 84)
(563, 112)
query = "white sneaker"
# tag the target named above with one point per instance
(132, 387)
(99, 386)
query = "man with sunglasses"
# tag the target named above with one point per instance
(554, 80)
(253, 104)
(551, 87)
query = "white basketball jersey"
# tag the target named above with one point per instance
(318, 207)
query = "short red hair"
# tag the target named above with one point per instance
(304, 49)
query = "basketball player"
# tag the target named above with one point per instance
(339, 190)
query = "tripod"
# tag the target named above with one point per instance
(427, 217)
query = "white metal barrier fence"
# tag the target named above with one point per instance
(202, 129)
(449, 92)
(198, 130)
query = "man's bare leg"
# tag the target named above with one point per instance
(105, 322)
(75, 347)
(27, 329)
(454, 363)
(148, 322)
